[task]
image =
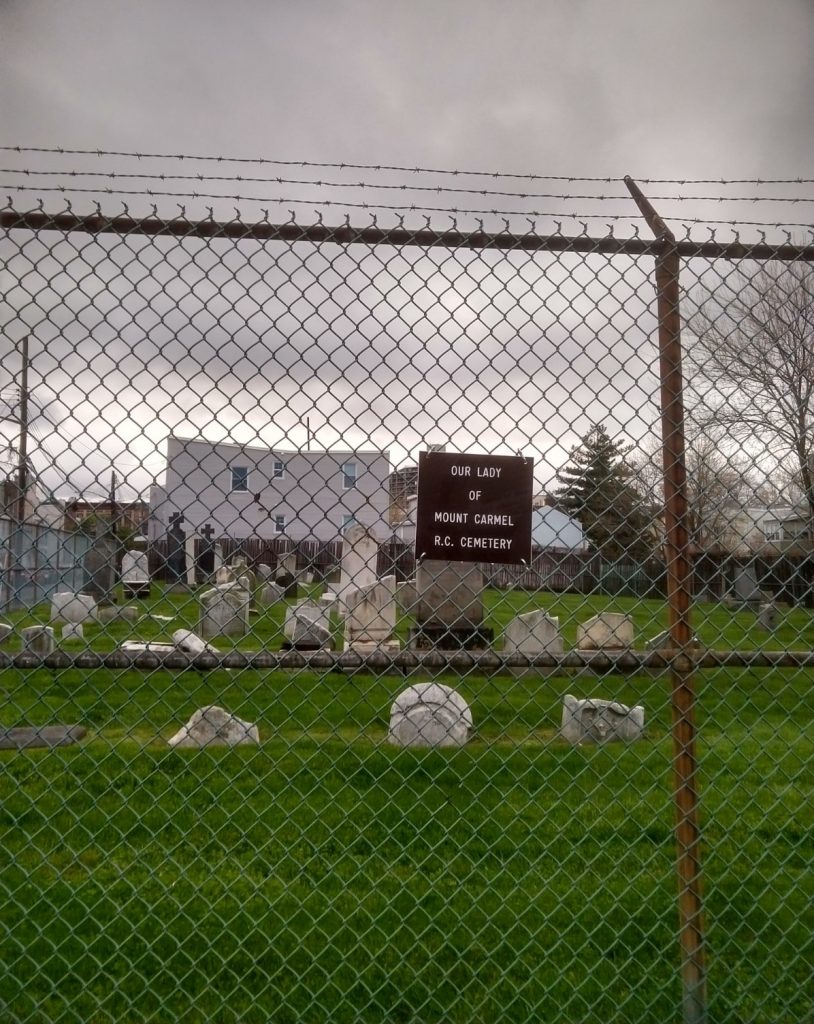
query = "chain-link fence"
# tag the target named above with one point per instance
(295, 769)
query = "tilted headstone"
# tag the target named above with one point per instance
(130, 613)
(370, 612)
(6, 629)
(38, 640)
(67, 607)
(429, 715)
(264, 572)
(225, 610)
(214, 726)
(600, 721)
(607, 631)
(271, 593)
(306, 627)
(135, 570)
(449, 606)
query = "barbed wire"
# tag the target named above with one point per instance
(343, 165)
(452, 211)
(438, 189)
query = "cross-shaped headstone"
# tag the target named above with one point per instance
(208, 532)
(175, 521)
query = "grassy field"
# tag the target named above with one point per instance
(324, 876)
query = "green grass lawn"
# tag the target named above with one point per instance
(325, 876)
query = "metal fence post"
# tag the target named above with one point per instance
(679, 599)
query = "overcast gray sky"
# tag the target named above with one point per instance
(701, 89)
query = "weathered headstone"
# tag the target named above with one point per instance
(607, 631)
(449, 606)
(24, 737)
(429, 715)
(147, 647)
(38, 640)
(6, 629)
(767, 616)
(225, 610)
(599, 721)
(73, 631)
(370, 615)
(286, 575)
(214, 726)
(67, 607)
(190, 643)
(176, 557)
(306, 627)
(360, 555)
(130, 613)
(100, 568)
(406, 597)
(270, 594)
(746, 591)
(661, 642)
(533, 632)
(135, 570)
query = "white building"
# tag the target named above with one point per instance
(245, 491)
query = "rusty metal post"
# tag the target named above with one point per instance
(679, 599)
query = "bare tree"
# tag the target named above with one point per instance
(751, 351)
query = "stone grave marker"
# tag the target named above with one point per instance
(73, 631)
(370, 615)
(608, 631)
(214, 726)
(429, 715)
(449, 607)
(68, 607)
(6, 629)
(38, 640)
(99, 564)
(746, 591)
(767, 616)
(225, 610)
(360, 556)
(600, 721)
(307, 627)
(534, 632)
(135, 570)
(24, 737)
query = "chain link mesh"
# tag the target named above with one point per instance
(414, 791)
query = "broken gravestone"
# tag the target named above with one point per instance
(429, 715)
(214, 726)
(600, 721)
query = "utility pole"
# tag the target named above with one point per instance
(22, 473)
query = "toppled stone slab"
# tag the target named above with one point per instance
(214, 726)
(147, 646)
(5, 631)
(190, 643)
(429, 715)
(661, 642)
(24, 737)
(600, 721)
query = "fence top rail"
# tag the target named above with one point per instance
(346, 234)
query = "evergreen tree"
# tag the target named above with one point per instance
(598, 490)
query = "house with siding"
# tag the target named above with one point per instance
(243, 491)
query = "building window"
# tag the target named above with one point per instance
(347, 520)
(279, 471)
(348, 476)
(279, 524)
(240, 478)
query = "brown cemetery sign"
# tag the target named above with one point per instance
(474, 508)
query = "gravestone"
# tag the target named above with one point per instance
(99, 565)
(239, 570)
(206, 558)
(190, 643)
(67, 607)
(190, 547)
(135, 570)
(73, 631)
(406, 597)
(6, 629)
(38, 640)
(360, 556)
(746, 591)
(306, 627)
(214, 726)
(370, 615)
(24, 737)
(534, 632)
(661, 642)
(176, 559)
(600, 721)
(225, 610)
(286, 575)
(608, 631)
(429, 715)
(449, 607)
(271, 593)
(767, 616)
